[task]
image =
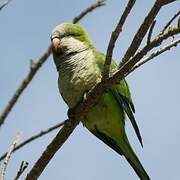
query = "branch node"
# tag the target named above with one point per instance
(22, 168)
(32, 64)
(169, 22)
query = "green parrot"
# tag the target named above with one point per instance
(80, 67)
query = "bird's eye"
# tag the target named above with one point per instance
(55, 34)
(72, 34)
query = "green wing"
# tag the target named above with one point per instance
(122, 94)
(127, 106)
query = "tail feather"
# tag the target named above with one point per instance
(134, 161)
(122, 147)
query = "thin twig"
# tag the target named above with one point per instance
(5, 4)
(143, 29)
(150, 32)
(88, 10)
(5, 163)
(36, 66)
(114, 37)
(34, 137)
(22, 168)
(156, 53)
(169, 22)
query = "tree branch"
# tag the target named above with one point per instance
(94, 95)
(33, 70)
(97, 4)
(36, 66)
(170, 21)
(5, 163)
(156, 53)
(22, 168)
(165, 2)
(150, 32)
(114, 37)
(32, 138)
(143, 29)
(5, 4)
(51, 149)
(126, 68)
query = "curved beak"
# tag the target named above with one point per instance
(56, 47)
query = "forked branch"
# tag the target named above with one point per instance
(170, 21)
(143, 29)
(22, 168)
(174, 43)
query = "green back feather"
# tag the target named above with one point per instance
(121, 93)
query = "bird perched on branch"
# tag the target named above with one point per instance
(80, 67)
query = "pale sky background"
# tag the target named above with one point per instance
(25, 28)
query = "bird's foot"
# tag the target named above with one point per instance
(70, 113)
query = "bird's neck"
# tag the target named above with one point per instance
(75, 55)
(75, 62)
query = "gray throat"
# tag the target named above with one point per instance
(78, 73)
(74, 62)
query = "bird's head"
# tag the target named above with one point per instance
(68, 38)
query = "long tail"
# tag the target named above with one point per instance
(122, 147)
(133, 160)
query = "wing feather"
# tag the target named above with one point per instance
(128, 108)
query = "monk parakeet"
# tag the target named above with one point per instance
(80, 67)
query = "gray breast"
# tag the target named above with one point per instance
(78, 73)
